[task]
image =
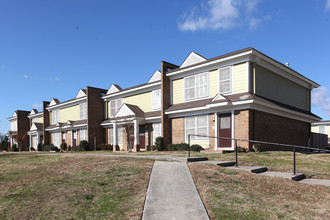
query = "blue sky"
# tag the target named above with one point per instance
(51, 49)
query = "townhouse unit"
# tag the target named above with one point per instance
(132, 116)
(322, 127)
(35, 132)
(19, 126)
(75, 120)
(244, 94)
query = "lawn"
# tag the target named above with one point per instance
(69, 187)
(235, 194)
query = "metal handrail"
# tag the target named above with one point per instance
(259, 142)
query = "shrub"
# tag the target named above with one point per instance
(148, 148)
(241, 149)
(84, 145)
(256, 147)
(196, 147)
(14, 147)
(64, 146)
(104, 147)
(77, 148)
(159, 143)
(54, 148)
(47, 148)
(40, 147)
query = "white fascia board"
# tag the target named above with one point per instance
(38, 115)
(145, 88)
(212, 63)
(305, 79)
(243, 102)
(78, 126)
(67, 104)
(12, 118)
(198, 108)
(321, 123)
(153, 118)
(34, 132)
(53, 129)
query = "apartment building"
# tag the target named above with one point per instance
(76, 119)
(19, 126)
(132, 116)
(322, 127)
(244, 94)
(35, 132)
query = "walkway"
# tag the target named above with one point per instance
(172, 194)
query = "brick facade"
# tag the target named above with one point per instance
(178, 130)
(95, 115)
(23, 126)
(46, 140)
(242, 127)
(212, 125)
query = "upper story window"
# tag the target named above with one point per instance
(13, 125)
(115, 106)
(55, 116)
(225, 80)
(35, 120)
(322, 129)
(196, 86)
(83, 111)
(156, 99)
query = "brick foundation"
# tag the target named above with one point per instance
(178, 130)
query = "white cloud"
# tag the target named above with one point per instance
(25, 76)
(37, 106)
(321, 98)
(220, 14)
(53, 79)
(327, 5)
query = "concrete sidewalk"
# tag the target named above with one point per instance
(172, 194)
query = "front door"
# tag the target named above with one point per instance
(224, 130)
(142, 137)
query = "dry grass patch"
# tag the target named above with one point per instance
(312, 165)
(61, 187)
(231, 194)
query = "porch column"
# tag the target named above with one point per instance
(38, 137)
(136, 136)
(71, 138)
(30, 142)
(115, 137)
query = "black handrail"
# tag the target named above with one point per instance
(259, 142)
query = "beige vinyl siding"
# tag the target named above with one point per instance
(214, 81)
(239, 78)
(275, 87)
(70, 113)
(143, 100)
(178, 91)
(41, 120)
(315, 129)
(50, 118)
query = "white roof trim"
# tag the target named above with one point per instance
(33, 112)
(155, 77)
(124, 111)
(53, 102)
(33, 127)
(15, 114)
(80, 94)
(113, 88)
(192, 59)
(67, 104)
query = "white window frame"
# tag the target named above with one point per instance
(112, 137)
(231, 80)
(154, 128)
(119, 135)
(156, 100)
(194, 138)
(55, 116)
(195, 86)
(83, 111)
(56, 138)
(83, 135)
(13, 125)
(118, 104)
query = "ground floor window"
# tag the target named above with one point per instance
(197, 125)
(56, 138)
(34, 141)
(120, 135)
(156, 131)
(83, 134)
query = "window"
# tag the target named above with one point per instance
(322, 129)
(156, 100)
(115, 106)
(83, 111)
(13, 125)
(63, 137)
(112, 140)
(55, 116)
(197, 125)
(225, 80)
(83, 134)
(196, 86)
(156, 131)
(56, 138)
(120, 135)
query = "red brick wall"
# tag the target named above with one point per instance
(23, 126)
(178, 130)
(211, 132)
(46, 135)
(242, 127)
(95, 115)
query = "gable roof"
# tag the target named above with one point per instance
(34, 111)
(193, 58)
(81, 93)
(37, 126)
(155, 77)
(114, 88)
(54, 102)
(129, 110)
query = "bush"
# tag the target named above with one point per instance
(256, 147)
(47, 148)
(148, 148)
(4, 144)
(64, 146)
(77, 148)
(159, 144)
(104, 147)
(54, 148)
(84, 145)
(196, 147)
(241, 149)
(40, 147)
(14, 148)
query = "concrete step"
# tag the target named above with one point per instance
(252, 169)
(195, 159)
(226, 163)
(296, 177)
